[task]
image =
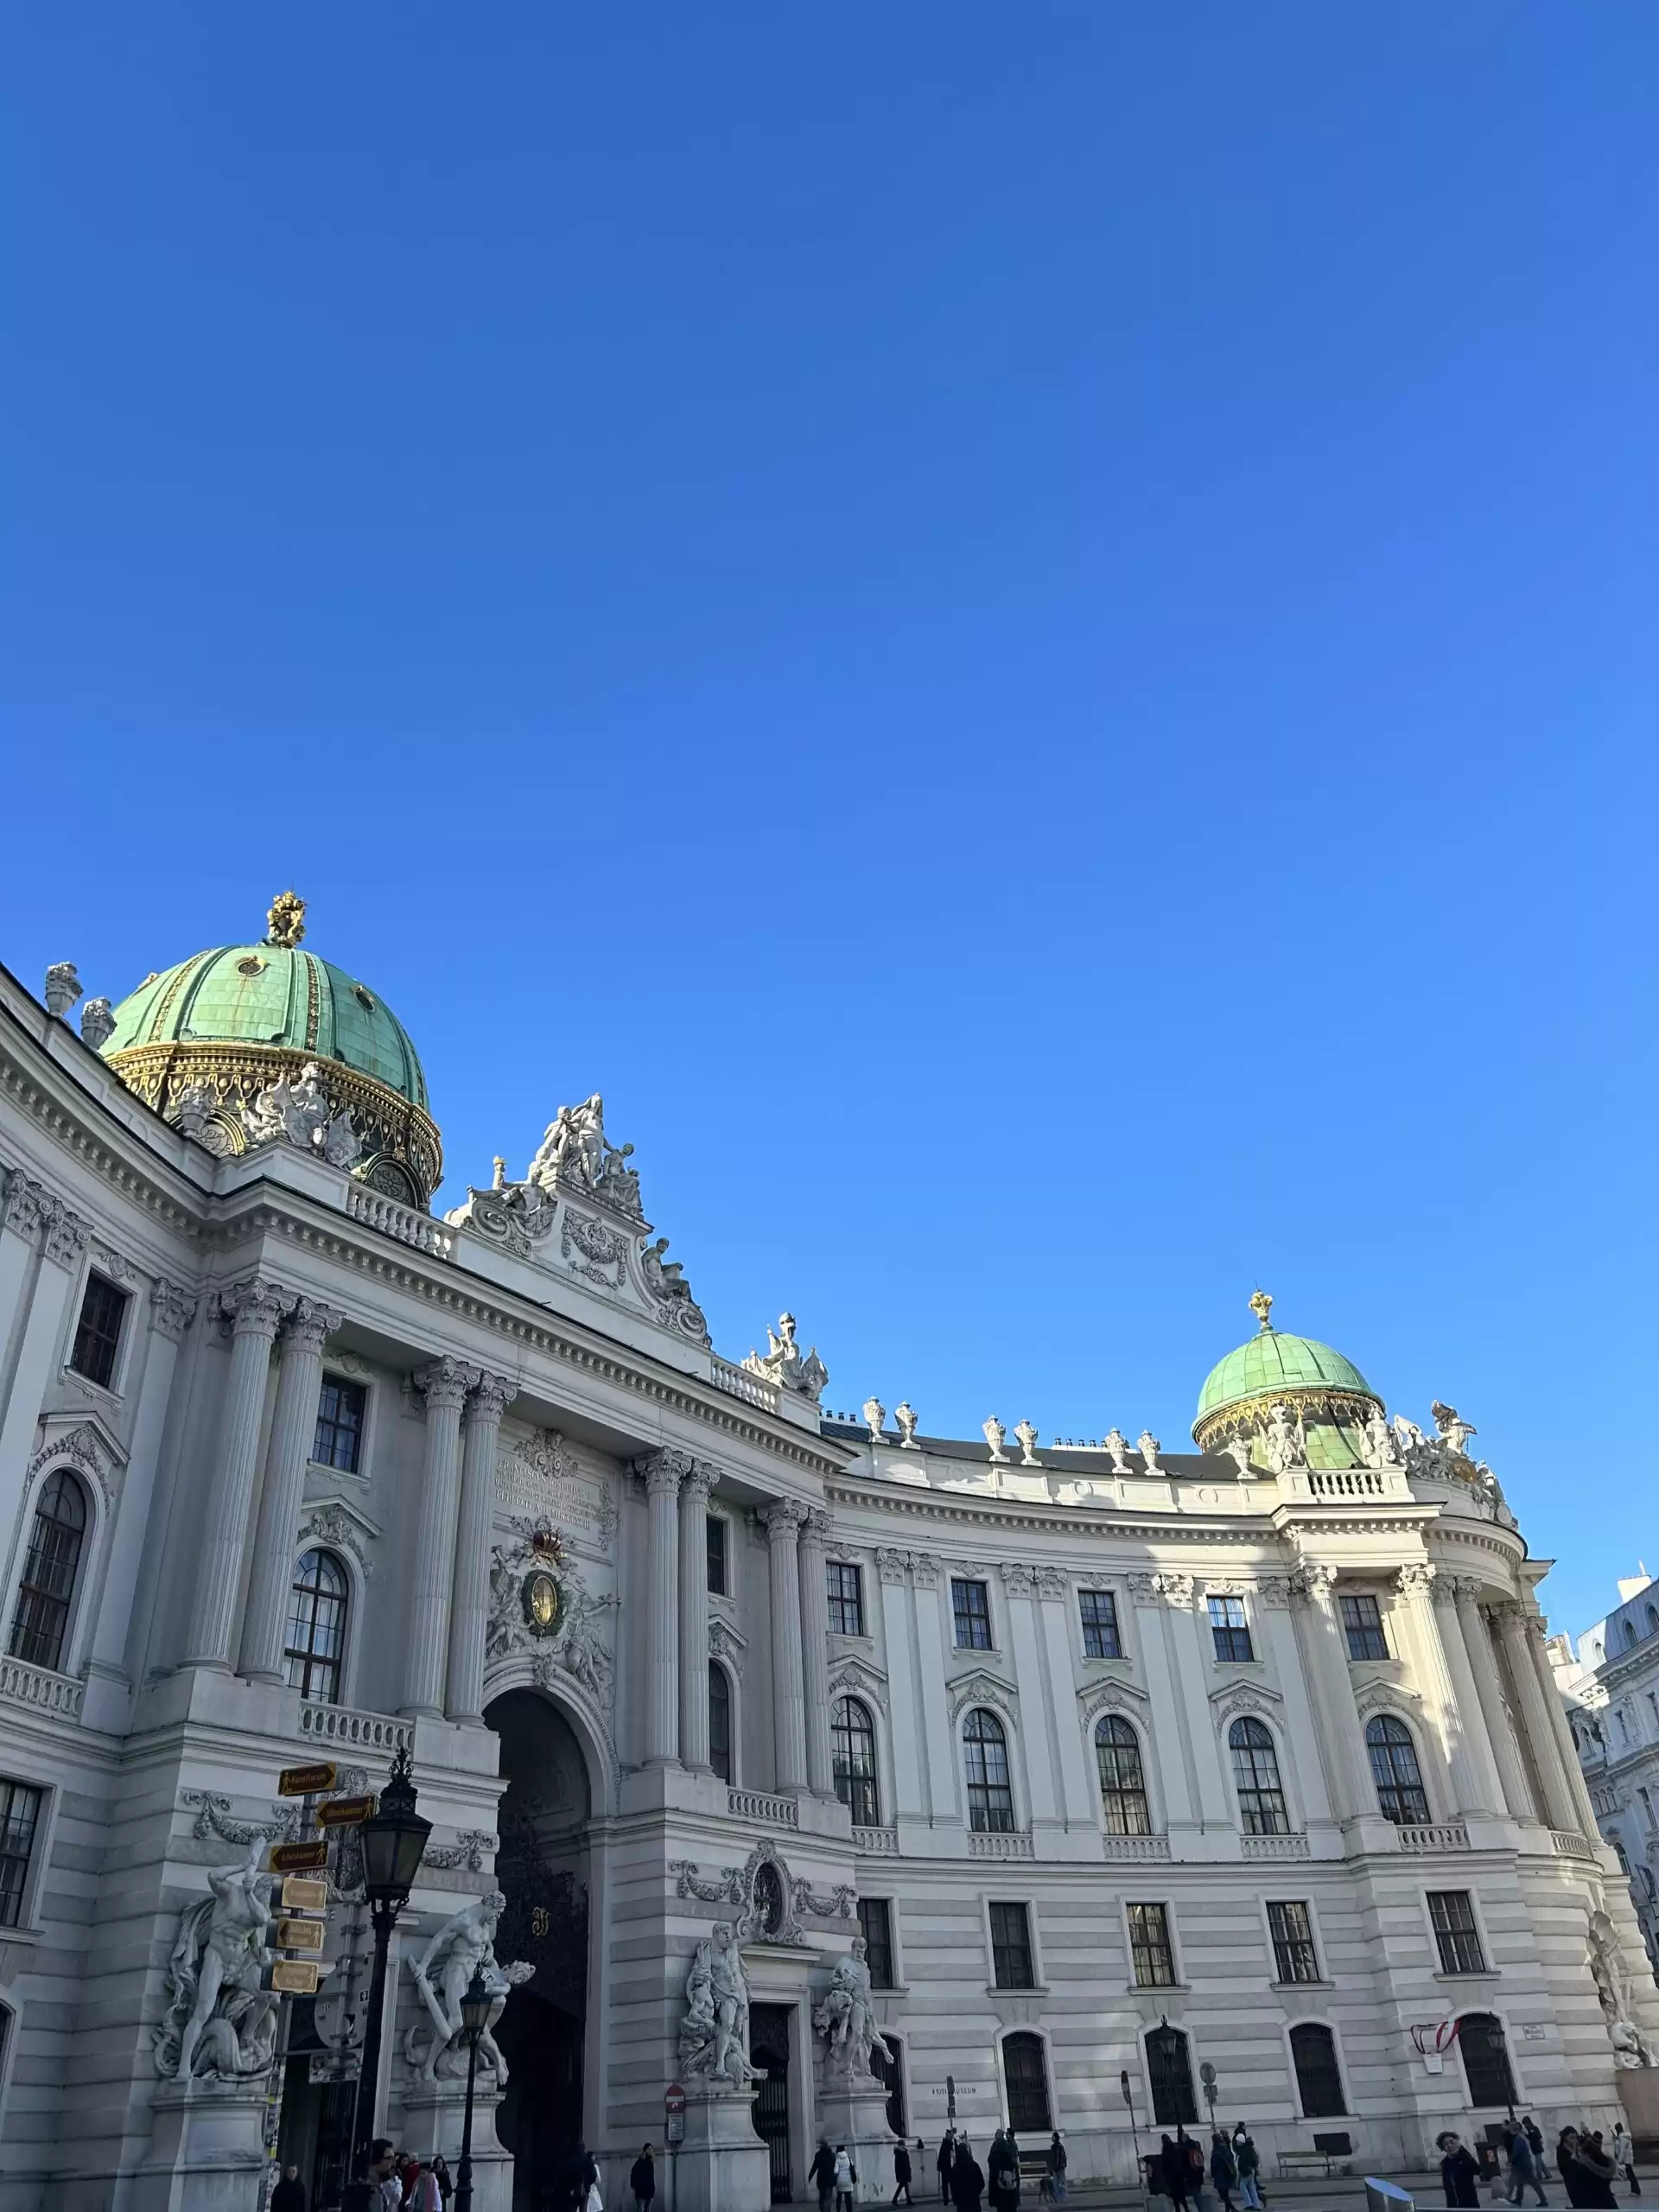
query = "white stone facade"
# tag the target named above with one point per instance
(1610, 1684)
(528, 1390)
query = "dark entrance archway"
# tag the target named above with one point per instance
(541, 1871)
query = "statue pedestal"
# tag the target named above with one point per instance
(434, 2113)
(207, 2148)
(723, 2165)
(1638, 2092)
(855, 2113)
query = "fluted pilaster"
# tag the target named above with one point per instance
(253, 1309)
(293, 1433)
(1348, 1770)
(444, 1385)
(469, 1613)
(665, 1472)
(1478, 1785)
(1516, 1798)
(1516, 1632)
(782, 1521)
(815, 1650)
(694, 1485)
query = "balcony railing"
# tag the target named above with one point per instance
(39, 1688)
(998, 1844)
(1142, 1847)
(756, 1805)
(368, 1732)
(1433, 1835)
(1567, 1843)
(739, 1382)
(1347, 1482)
(1276, 1846)
(878, 1843)
(375, 1211)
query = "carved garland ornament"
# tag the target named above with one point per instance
(793, 1897)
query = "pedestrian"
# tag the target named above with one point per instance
(1624, 2155)
(446, 2179)
(1523, 2167)
(1460, 2171)
(1193, 2153)
(428, 2197)
(1590, 2182)
(1003, 2166)
(642, 2179)
(822, 2173)
(1223, 2168)
(947, 2147)
(289, 2196)
(846, 2178)
(902, 2173)
(1171, 2164)
(967, 2179)
(1248, 2159)
(1055, 2163)
(1536, 2137)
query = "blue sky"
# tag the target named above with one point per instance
(1028, 633)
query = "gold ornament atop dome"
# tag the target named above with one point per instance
(286, 921)
(1262, 1307)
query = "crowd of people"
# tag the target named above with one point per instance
(964, 2182)
(392, 2181)
(1586, 2163)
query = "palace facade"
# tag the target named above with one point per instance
(1124, 1765)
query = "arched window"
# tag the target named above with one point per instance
(1485, 2060)
(1653, 1620)
(1169, 2071)
(1255, 1778)
(1025, 2069)
(889, 2071)
(990, 1795)
(768, 1899)
(55, 1539)
(1394, 1768)
(316, 1627)
(1123, 1785)
(720, 1721)
(1319, 2078)
(852, 1736)
(1630, 1635)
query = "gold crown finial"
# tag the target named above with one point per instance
(1262, 1307)
(286, 921)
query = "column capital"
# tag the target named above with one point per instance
(697, 1481)
(66, 1234)
(491, 1395)
(1313, 1581)
(23, 1209)
(1509, 1612)
(310, 1324)
(890, 1566)
(1273, 1591)
(1018, 1580)
(665, 1471)
(782, 1521)
(1415, 1580)
(171, 1308)
(254, 1309)
(445, 1383)
(816, 1527)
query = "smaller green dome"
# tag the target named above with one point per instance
(1273, 1361)
(271, 994)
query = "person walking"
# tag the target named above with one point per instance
(902, 2173)
(947, 2148)
(822, 2173)
(1460, 2171)
(1223, 2168)
(1193, 2153)
(1248, 2159)
(1523, 2167)
(1055, 2164)
(846, 2178)
(446, 2180)
(642, 2179)
(1171, 2164)
(289, 2196)
(1002, 2168)
(1624, 2155)
(967, 2179)
(1587, 2172)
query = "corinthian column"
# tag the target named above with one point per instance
(694, 1485)
(1348, 1770)
(1516, 1798)
(1515, 1629)
(1578, 1789)
(815, 1639)
(444, 1385)
(665, 1472)
(469, 1613)
(254, 1310)
(293, 1433)
(1480, 1790)
(782, 1521)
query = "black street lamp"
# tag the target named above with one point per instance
(475, 2019)
(393, 1839)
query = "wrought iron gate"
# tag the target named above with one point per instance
(1169, 2069)
(1026, 2069)
(769, 2047)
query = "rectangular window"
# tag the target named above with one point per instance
(19, 1814)
(1453, 1918)
(971, 1608)
(1149, 1948)
(1011, 1947)
(1293, 1956)
(98, 1332)
(1100, 1637)
(1230, 1628)
(846, 1597)
(1362, 1620)
(716, 1539)
(340, 1425)
(875, 1926)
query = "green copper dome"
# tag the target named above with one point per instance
(1328, 1400)
(271, 994)
(1273, 1362)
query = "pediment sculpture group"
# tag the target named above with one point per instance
(715, 2032)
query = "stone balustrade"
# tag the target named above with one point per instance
(1000, 1844)
(1433, 1835)
(876, 1843)
(757, 1805)
(1276, 1846)
(369, 1732)
(39, 1688)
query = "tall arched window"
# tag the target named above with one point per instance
(1169, 2071)
(1319, 2078)
(1399, 1778)
(720, 1721)
(852, 1736)
(56, 1537)
(1485, 2060)
(1630, 1638)
(1255, 1778)
(1653, 1620)
(315, 1644)
(1024, 2068)
(1123, 1785)
(990, 1794)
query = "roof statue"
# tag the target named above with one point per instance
(576, 1153)
(784, 1363)
(286, 921)
(1262, 1307)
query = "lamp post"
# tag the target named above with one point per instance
(393, 1838)
(475, 2019)
(1128, 2099)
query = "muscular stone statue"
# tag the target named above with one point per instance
(464, 1942)
(715, 2033)
(846, 2016)
(220, 2022)
(299, 1113)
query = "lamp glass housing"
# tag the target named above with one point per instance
(475, 2003)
